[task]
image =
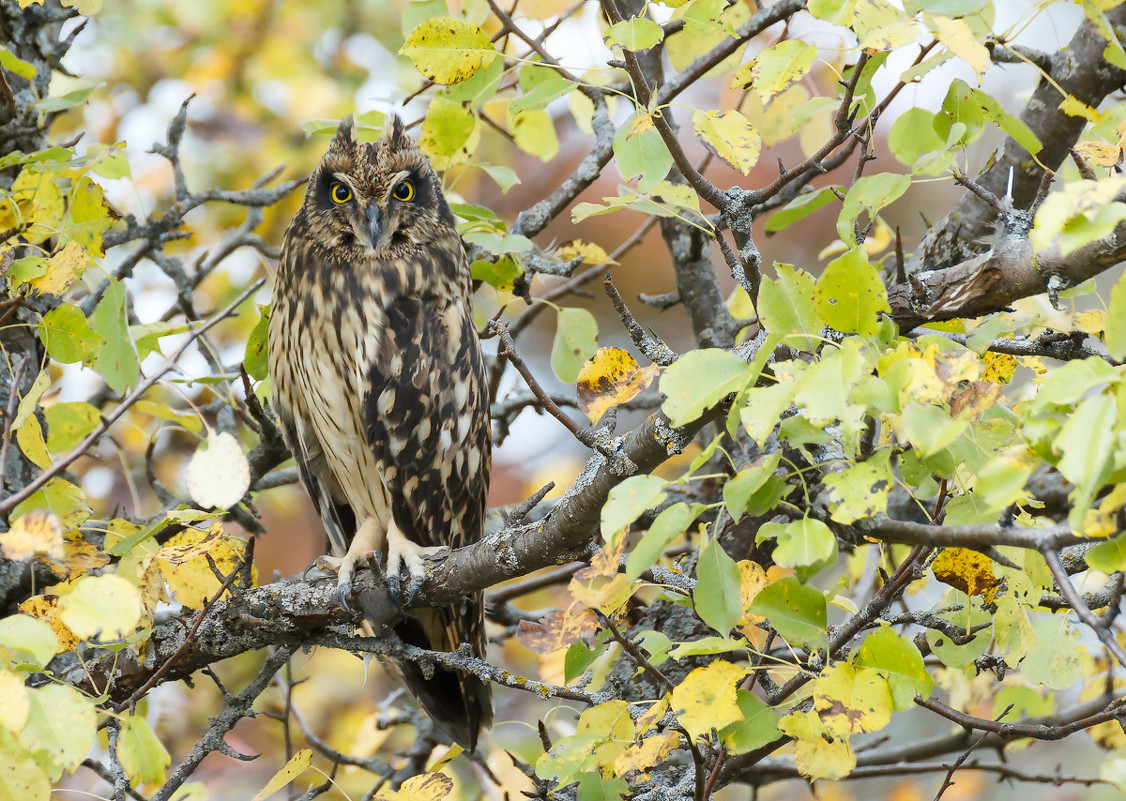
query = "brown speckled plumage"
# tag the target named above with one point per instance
(380, 386)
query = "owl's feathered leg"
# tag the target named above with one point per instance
(364, 548)
(402, 552)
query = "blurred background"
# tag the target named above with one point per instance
(266, 79)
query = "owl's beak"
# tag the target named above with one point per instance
(373, 219)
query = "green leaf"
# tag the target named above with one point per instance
(67, 336)
(147, 336)
(850, 295)
(716, 595)
(1115, 334)
(741, 487)
(667, 526)
(635, 33)
(629, 500)
(1057, 661)
(911, 135)
(870, 193)
(730, 136)
(68, 423)
(254, 361)
(641, 154)
(500, 274)
(16, 65)
(576, 340)
(899, 659)
(60, 726)
(28, 639)
(1108, 557)
(763, 409)
(448, 50)
(800, 542)
(796, 611)
(578, 659)
(973, 108)
(116, 360)
(861, 491)
(595, 787)
(799, 208)
(699, 380)
(143, 756)
(534, 132)
(759, 725)
(446, 128)
(1081, 213)
(1068, 384)
(1086, 446)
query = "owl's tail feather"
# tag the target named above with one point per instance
(461, 704)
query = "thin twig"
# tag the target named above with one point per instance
(581, 433)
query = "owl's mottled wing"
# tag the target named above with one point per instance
(336, 514)
(426, 417)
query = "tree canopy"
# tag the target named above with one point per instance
(805, 333)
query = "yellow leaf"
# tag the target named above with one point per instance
(448, 50)
(999, 367)
(852, 700)
(103, 607)
(610, 378)
(534, 132)
(968, 571)
(193, 548)
(752, 579)
(1100, 153)
(817, 754)
(46, 609)
(605, 596)
(706, 699)
(14, 701)
(592, 254)
(427, 787)
(62, 269)
(730, 136)
(633, 764)
(558, 629)
(611, 723)
(653, 716)
(1091, 322)
(33, 534)
(79, 556)
(192, 581)
(290, 771)
(776, 69)
(29, 437)
(960, 40)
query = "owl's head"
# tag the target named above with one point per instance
(378, 196)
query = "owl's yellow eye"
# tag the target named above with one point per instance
(340, 193)
(403, 191)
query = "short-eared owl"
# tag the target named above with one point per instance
(380, 388)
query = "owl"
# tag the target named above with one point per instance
(381, 393)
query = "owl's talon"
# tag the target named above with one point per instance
(342, 592)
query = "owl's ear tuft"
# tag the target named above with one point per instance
(394, 134)
(345, 137)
